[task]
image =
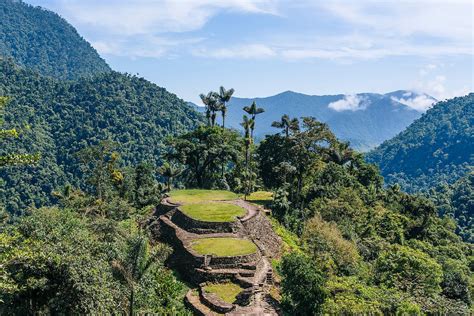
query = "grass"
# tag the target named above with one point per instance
(290, 240)
(261, 197)
(224, 247)
(197, 196)
(213, 212)
(225, 291)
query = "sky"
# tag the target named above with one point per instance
(264, 47)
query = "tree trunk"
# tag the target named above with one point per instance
(131, 302)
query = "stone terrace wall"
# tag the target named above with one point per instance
(261, 231)
(200, 227)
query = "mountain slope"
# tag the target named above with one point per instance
(366, 119)
(43, 41)
(438, 147)
(64, 117)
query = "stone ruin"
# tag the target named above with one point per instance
(252, 272)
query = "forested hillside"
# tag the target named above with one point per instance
(42, 40)
(364, 119)
(58, 118)
(457, 201)
(438, 147)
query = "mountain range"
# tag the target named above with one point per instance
(363, 119)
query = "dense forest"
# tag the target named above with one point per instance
(434, 156)
(41, 40)
(436, 148)
(457, 201)
(59, 118)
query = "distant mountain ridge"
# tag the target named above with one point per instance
(43, 41)
(364, 119)
(436, 148)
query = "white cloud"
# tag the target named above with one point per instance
(420, 102)
(127, 17)
(437, 18)
(351, 102)
(254, 51)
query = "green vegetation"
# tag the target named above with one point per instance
(225, 291)
(456, 201)
(213, 212)
(363, 248)
(90, 254)
(224, 247)
(12, 158)
(260, 197)
(436, 148)
(43, 41)
(197, 196)
(65, 117)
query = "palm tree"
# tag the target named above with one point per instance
(340, 153)
(169, 171)
(288, 125)
(206, 99)
(138, 260)
(248, 125)
(254, 111)
(224, 96)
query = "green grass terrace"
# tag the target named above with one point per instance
(213, 211)
(225, 291)
(224, 247)
(199, 196)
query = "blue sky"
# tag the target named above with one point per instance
(264, 47)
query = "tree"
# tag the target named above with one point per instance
(13, 158)
(248, 176)
(203, 152)
(100, 162)
(206, 100)
(169, 171)
(302, 285)
(253, 110)
(288, 125)
(409, 270)
(139, 259)
(224, 96)
(213, 105)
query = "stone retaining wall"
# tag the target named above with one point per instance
(201, 227)
(215, 303)
(260, 230)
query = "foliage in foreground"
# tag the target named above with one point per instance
(367, 248)
(91, 254)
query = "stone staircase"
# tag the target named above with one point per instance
(251, 272)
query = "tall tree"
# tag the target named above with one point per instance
(288, 125)
(253, 110)
(248, 176)
(224, 97)
(206, 100)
